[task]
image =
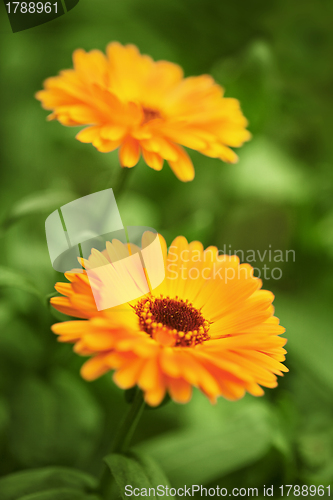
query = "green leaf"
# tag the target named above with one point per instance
(80, 418)
(16, 340)
(4, 420)
(54, 421)
(42, 202)
(252, 71)
(59, 494)
(24, 484)
(308, 322)
(137, 210)
(136, 470)
(129, 394)
(266, 172)
(215, 443)
(17, 279)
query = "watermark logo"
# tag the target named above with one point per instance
(24, 15)
(223, 263)
(122, 264)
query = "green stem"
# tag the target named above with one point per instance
(121, 181)
(124, 436)
(127, 428)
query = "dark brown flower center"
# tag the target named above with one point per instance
(172, 321)
(150, 114)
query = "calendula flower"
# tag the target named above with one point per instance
(208, 325)
(144, 107)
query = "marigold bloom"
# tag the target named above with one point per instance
(138, 105)
(207, 325)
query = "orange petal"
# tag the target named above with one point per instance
(127, 376)
(183, 166)
(153, 160)
(63, 305)
(180, 390)
(129, 152)
(95, 367)
(88, 134)
(113, 132)
(164, 337)
(155, 396)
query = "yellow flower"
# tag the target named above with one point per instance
(138, 105)
(208, 325)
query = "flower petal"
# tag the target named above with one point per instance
(183, 166)
(129, 152)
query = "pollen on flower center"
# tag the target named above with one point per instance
(173, 322)
(150, 114)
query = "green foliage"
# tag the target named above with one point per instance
(11, 278)
(54, 422)
(59, 494)
(265, 172)
(38, 203)
(214, 444)
(308, 317)
(55, 428)
(47, 483)
(136, 470)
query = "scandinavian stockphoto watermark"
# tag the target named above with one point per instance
(122, 264)
(222, 263)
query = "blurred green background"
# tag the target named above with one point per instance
(276, 57)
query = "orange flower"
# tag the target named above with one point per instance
(207, 325)
(131, 102)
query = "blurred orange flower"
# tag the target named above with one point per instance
(207, 325)
(140, 106)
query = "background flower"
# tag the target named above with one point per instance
(142, 106)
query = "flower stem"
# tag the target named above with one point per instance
(121, 181)
(124, 436)
(127, 428)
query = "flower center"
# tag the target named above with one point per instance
(149, 114)
(172, 322)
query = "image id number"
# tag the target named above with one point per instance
(31, 7)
